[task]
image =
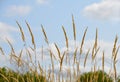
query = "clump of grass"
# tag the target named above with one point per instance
(95, 77)
(11, 76)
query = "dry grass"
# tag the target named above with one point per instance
(83, 39)
(75, 54)
(46, 39)
(73, 72)
(74, 28)
(86, 57)
(31, 34)
(4, 77)
(1, 50)
(66, 38)
(21, 31)
(60, 57)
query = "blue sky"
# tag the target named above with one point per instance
(52, 14)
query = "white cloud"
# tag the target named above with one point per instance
(18, 10)
(104, 46)
(104, 10)
(5, 32)
(46, 62)
(4, 59)
(42, 1)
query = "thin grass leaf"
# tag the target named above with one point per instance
(40, 68)
(45, 36)
(12, 50)
(115, 71)
(14, 79)
(19, 58)
(116, 53)
(93, 51)
(103, 59)
(75, 54)
(59, 55)
(86, 57)
(32, 36)
(52, 61)
(4, 77)
(29, 54)
(11, 46)
(96, 53)
(114, 48)
(61, 60)
(63, 56)
(103, 64)
(83, 39)
(53, 55)
(58, 51)
(74, 28)
(95, 45)
(1, 50)
(66, 38)
(21, 31)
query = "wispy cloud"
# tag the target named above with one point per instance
(42, 1)
(18, 10)
(5, 32)
(104, 10)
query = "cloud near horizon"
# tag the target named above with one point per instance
(104, 10)
(106, 46)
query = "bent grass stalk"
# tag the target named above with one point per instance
(83, 39)
(75, 54)
(66, 38)
(12, 50)
(31, 34)
(45, 36)
(1, 50)
(103, 59)
(96, 40)
(33, 42)
(74, 28)
(51, 54)
(86, 57)
(60, 57)
(67, 44)
(22, 33)
(95, 49)
(4, 77)
(114, 54)
(19, 59)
